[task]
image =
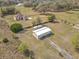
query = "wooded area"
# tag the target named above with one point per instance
(45, 5)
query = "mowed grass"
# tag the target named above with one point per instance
(70, 16)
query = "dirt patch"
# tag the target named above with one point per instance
(8, 50)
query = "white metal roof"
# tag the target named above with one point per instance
(42, 31)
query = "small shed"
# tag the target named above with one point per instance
(19, 4)
(42, 32)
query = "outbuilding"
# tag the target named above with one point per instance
(19, 4)
(20, 16)
(42, 32)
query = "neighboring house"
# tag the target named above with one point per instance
(42, 32)
(19, 16)
(19, 4)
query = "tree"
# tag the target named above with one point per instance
(39, 21)
(24, 49)
(8, 10)
(65, 21)
(51, 18)
(34, 23)
(16, 27)
(57, 5)
(5, 40)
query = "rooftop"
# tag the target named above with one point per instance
(42, 30)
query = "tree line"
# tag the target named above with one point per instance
(45, 5)
(53, 5)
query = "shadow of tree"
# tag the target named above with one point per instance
(23, 31)
(60, 54)
(55, 22)
(28, 27)
(32, 55)
(29, 53)
(77, 50)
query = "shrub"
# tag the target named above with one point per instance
(27, 52)
(16, 27)
(39, 21)
(5, 40)
(22, 48)
(33, 23)
(51, 18)
(8, 10)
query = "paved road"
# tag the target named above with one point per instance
(62, 51)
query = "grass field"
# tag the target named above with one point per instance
(71, 16)
(63, 33)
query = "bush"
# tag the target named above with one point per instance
(22, 48)
(33, 23)
(5, 40)
(16, 27)
(39, 21)
(8, 10)
(51, 18)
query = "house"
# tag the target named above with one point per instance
(42, 32)
(19, 16)
(19, 4)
